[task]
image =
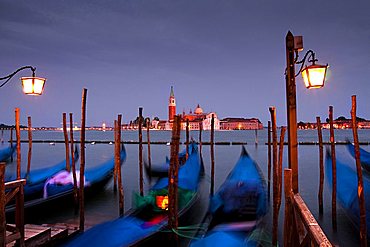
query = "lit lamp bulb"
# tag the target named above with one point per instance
(33, 85)
(314, 76)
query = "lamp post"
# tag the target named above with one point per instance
(314, 77)
(31, 85)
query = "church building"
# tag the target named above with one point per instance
(197, 119)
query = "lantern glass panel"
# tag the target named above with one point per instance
(33, 85)
(314, 76)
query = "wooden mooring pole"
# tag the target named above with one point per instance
(141, 176)
(18, 135)
(115, 155)
(200, 137)
(66, 142)
(256, 137)
(75, 191)
(187, 138)
(118, 163)
(82, 162)
(275, 169)
(269, 157)
(212, 155)
(321, 165)
(280, 166)
(11, 142)
(149, 151)
(173, 180)
(288, 214)
(2, 206)
(29, 146)
(360, 183)
(334, 172)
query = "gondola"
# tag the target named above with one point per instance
(59, 187)
(236, 211)
(7, 152)
(36, 178)
(347, 189)
(364, 156)
(146, 224)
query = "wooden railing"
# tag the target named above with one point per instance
(300, 226)
(9, 192)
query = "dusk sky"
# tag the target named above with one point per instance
(228, 56)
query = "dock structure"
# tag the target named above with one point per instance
(300, 226)
(18, 233)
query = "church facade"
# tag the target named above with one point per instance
(196, 119)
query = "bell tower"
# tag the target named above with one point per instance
(171, 106)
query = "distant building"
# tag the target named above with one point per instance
(200, 118)
(240, 124)
(171, 106)
(196, 119)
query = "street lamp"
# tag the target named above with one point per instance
(31, 85)
(314, 77)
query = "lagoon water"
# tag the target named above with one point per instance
(104, 205)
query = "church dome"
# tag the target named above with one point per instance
(198, 110)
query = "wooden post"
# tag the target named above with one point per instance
(19, 214)
(360, 183)
(18, 135)
(275, 178)
(212, 155)
(66, 141)
(200, 137)
(291, 110)
(120, 185)
(334, 172)
(269, 157)
(141, 179)
(187, 138)
(82, 162)
(75, 191)
(149, 151)
(288, 219)
(115, 171)
(173, 179)
(29, 145)
(321, 160)
(256, 137)
(2, 206)
(118, 165)
(280, 166)
(11, 142)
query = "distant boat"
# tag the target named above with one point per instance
(52, 143)
(347, 189)
(364, 156)
(148, 222)
(237, 209)
(7, 153)
(92, 143)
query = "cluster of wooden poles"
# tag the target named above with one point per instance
(294, 203)
(78, 193)
(173, 172)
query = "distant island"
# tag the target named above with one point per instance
(339, 123)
